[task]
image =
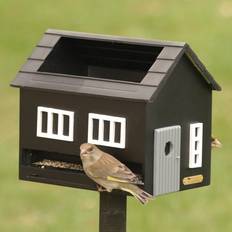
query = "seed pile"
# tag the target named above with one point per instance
(59, 164)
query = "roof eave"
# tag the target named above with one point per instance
(80, 86)
(201, 68)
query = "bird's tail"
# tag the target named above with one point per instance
(137, 192)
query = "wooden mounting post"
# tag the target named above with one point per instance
(112, 216)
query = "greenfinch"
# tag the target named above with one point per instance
(109, 173)
(215, 143)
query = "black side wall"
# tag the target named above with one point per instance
(185, 98)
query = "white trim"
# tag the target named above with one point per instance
(60, 127)
(112, 120)
(195, 145)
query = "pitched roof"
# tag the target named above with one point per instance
(31, 76)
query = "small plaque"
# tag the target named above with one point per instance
(193, 179)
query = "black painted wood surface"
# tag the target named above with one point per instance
(112, 215)
(185, 99)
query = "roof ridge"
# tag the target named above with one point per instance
(115, 37)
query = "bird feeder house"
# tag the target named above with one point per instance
(148, 103)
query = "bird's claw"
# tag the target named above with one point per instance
(101, 189)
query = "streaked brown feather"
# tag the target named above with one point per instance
(108, 166)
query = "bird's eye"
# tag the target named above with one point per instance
(90, 149)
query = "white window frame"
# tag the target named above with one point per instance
(60, 129)
(112, 120)
(195, 145)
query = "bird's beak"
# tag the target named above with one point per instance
(83, 153)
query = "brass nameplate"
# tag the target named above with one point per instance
(193, 179)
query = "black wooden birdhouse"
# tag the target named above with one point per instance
(148, 103)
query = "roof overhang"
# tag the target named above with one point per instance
(168, 58)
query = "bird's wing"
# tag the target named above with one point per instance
(109, 168)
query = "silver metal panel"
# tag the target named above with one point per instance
(167, 160)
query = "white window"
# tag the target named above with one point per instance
(195, 145)
(107, 130)
(55, 123)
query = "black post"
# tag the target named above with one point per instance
(112, 212)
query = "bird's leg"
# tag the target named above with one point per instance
(109, 190)
(101, 189)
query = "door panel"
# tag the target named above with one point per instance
(167, 160)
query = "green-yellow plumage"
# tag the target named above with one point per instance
(110, 173)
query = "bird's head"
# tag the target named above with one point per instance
(215, 143)
(89, 153)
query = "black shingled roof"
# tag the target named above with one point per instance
(30, 77)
